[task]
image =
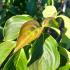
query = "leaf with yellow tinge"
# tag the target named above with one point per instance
(30, 31)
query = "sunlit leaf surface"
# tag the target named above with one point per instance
(5, 49)
(13, 25)
(45, 55)
(17, 62)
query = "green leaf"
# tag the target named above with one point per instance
(66, 36)
(13, 25)
(49, 11)
(45, 55)
(66, 67)
(17, 62)
(9, 65)
(64, 52)
(67, 25)
(5, 49)
(20, 61)
(57, 30)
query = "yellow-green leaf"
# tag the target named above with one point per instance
(5, 49)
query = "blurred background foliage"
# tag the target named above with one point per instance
(34, 8)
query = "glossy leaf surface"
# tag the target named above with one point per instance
(46, 55)
(13, 25)
(17, 62)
